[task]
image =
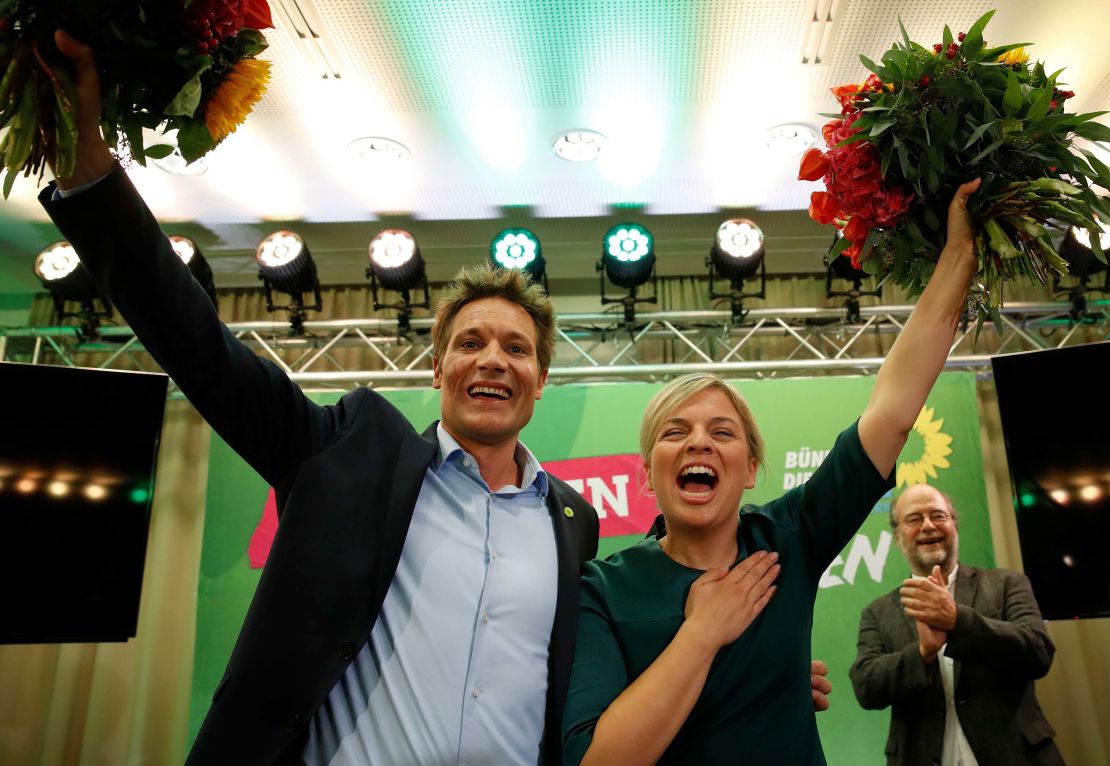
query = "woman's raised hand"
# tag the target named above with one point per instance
(723, 602)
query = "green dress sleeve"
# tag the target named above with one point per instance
(833, 504)
(599, 673)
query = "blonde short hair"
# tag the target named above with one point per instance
(474, 283)
(678, 392)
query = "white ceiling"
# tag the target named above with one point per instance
(478, 89)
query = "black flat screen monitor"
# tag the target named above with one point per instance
(76, 480)
(1056, 423)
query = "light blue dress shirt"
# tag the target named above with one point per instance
(455, 671)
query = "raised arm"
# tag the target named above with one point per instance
(250, 402)
(94, 160)
(918, 355)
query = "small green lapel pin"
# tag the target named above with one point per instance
(568, 512)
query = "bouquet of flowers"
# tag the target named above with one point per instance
(184, 65)
(926, 120)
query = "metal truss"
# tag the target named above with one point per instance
(339, 354)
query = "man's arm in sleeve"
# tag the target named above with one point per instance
(880, 676)
(1018, 641)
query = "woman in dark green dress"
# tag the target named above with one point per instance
(694, 645)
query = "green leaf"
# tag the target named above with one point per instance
(978, 133)
(159, 151)
(871, 65)
(909, 172)
(1039, 107)
(134, 132)
(249, 43)
(1092, 131)
(880, 126)
(1099, 168)
(905, 37)
(947, 39)
(187, 100)
(193, 139)
(854, 139)
(9, 182)
(953, 87)
(1011, 101)
(989, 150)
(839, 247)
(888, 155)
(992, 54)
(973, 40)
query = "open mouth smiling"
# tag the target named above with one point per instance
(489, 392)
(927, 541)
(697, 481)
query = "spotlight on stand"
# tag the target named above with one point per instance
(737, 255)
(192, 257)
(1083, 267)
(285, 265)
(628, 259)
(61, 273)
(840, 266)
(396, 263)
(519, 249)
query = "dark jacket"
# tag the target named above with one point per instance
(346, 478)
(999, 646)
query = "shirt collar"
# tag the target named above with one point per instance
(533, 473)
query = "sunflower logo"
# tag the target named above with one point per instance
(931, 446)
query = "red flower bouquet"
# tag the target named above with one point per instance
(927, 119)
(183, 65)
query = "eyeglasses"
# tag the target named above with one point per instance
(915, 520)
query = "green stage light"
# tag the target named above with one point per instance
(519, 249)
(628, 255)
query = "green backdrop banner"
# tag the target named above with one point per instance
(588, 435)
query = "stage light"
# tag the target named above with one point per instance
(628, 255)
(839, 266)
(519, 249)
(285, 264)
(192, 257)
(628, 260)
(61, 273)
(395, 260)
(737, 254)
(1060, 496)
(396, 263)
(1083, 267)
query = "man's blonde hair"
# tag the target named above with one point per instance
(474, 283)
(678, 392)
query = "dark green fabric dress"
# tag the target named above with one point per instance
(756, 707)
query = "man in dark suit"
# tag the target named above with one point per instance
(954, 651)
(419, 604)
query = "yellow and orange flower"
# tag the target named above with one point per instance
(1016, 56)
(235, 96)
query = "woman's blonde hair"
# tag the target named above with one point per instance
(678, 392)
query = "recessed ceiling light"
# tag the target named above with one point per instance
(377, 148)
(790, 138)
(579, 145)
(174, 163)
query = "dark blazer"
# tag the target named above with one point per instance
(999, 646)
(346, 478)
